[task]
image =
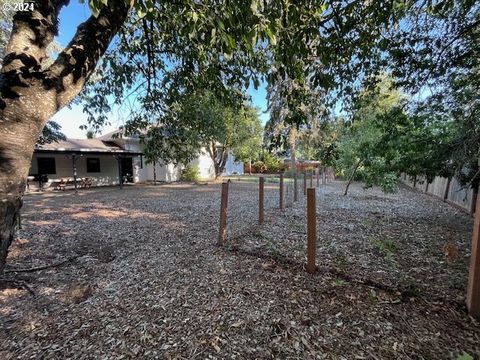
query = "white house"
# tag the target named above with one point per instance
(106, 160)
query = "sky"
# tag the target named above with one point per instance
(70, 118)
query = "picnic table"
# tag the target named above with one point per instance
(62, 183)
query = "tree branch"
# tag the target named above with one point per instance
(77, 61)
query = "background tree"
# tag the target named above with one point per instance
(218, 127)
(365, 146)
(251, 147)
(435, 56)
(381, 139)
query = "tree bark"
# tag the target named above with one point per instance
(219, 160)
(222, 161)
(293, 140)
(32, 94)
(352, 176)
(9, 211)
(475, 185)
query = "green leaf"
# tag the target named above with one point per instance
(465, 356)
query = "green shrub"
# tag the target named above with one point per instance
(273, 164)
(190, 173)
(259, 166)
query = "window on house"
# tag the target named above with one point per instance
(46, 165)
(93, 165)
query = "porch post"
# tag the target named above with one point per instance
(120, 180)
(74, 165)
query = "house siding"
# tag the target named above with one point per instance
(233, 167)
(108, 174)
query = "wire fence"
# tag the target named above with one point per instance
(243, 203)
(267, 214)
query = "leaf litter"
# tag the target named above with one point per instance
(149, 280)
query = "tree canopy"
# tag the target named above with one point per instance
(201, 122)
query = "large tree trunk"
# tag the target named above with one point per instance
(9, 212)
(219, 160)
(222, 161)
(31, 94)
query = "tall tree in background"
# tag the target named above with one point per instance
(381, 139)
(364, 146)
(220, 128)
(249, 141)
(435, 57)
(295, 111)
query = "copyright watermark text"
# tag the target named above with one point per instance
(20, 6)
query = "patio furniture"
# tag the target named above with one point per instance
(86, 183)
(60, 185)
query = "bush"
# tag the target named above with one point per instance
(273, 164)
(259, 167)
(190, 173)
(388, 181)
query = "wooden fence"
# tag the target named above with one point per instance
(308, 191)
(450, 191)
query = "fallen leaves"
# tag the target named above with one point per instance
(150, 283)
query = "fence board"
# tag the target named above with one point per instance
(456, 195)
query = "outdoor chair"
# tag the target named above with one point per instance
(60, 185)
(86, 182)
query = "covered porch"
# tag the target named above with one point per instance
(79, 164)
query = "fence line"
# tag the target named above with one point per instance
(449, 190)
(274, 193)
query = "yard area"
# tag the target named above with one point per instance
(146, 278)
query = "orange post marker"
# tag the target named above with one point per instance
(311, 230)
(473, 289)
(261, 197)
(222, 235)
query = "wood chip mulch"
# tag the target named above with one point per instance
(136, 273)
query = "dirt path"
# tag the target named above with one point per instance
(151, 283)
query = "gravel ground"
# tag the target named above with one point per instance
(146, 279)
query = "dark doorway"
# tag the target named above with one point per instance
(127, 170)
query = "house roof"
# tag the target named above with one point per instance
(73, 146)
(118, 134)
